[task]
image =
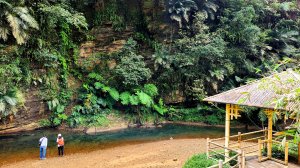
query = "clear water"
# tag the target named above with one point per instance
(22, 146)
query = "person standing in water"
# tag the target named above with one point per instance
(60, 145)
(43, 142)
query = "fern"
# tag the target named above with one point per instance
(114, 94)
(151, 90)
(98, 85)
(160, 109)
(19, 22)
(144, 98)
(57, 13)
(60, 108)
(134, 100)
(95, 76)
(53, 104)
(125, 98)
(25, 16)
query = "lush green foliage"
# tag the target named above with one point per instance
(57, 115)
(219, 45)
(9, 102)
(110, 14)
(203, 114)
(199, 160)
(183, 11)
(37, 49)
(132, 70)
(278, 151)
(96, 99)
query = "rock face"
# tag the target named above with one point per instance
(174, 97)
(33, 110)
(107, 40)
(87, 49)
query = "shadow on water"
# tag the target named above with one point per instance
(14, 148)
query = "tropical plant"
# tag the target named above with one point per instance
(110, 14)
(240, 29)
(59, 14)
(16, 19)
(142, 103)
(9, 102)
(96, 98)
(143, 97)
(10, 75)
(208, 8)
(57, 115)
(286, 38)
(131, 70)
(287, 92)
(182, 10)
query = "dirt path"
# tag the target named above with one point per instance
(161, 154)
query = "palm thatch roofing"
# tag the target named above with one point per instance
(264, 93)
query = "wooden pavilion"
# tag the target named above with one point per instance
(262, 94)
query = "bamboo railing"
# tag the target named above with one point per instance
(239, 147)
(213, 153)
(286, 152)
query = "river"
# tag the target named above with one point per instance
(21, 146)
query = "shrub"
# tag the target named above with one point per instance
(201, 113)
(212, 120)
(131, 69)
(199, 161)
(45, 123)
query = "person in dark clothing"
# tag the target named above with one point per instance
(60, 145)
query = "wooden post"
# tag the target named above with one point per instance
(270, 129)
(243, 159)
(220, 163)
(227, 130)
(207, 147)
(259, 150)
(286, 153)
(266, 137)
(239, 139)
(240, 159)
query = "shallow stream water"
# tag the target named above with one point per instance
(17, 147)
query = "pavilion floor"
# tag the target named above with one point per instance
(252, 162)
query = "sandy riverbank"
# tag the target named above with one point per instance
(161, 154)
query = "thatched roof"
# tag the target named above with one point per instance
(262, 93)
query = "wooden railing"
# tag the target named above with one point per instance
(217, 152)
(243, 141)
(289, 139)
(264, 142)
(241, 145)
(238, 146)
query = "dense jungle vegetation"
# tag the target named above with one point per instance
(178, 52)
